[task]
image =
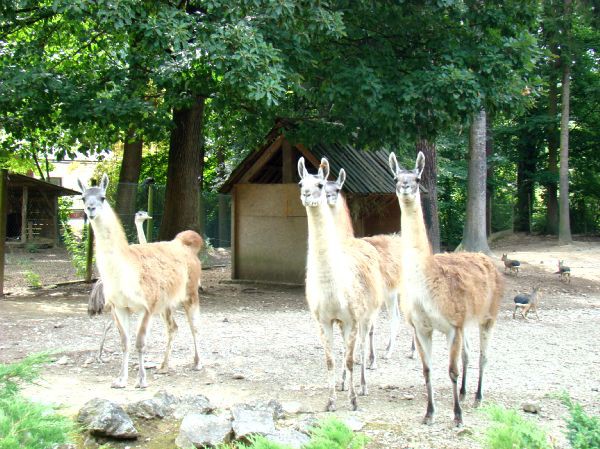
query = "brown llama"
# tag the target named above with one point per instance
(343, 282)
(445, 292)
(151, 279)
(390, 251)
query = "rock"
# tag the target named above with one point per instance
(88, 361)
(200, 430)
(408, 397)
(251, 422)
(62, 361)
(354, 423)
(147, 409)
(531, 407)
(197, 404)
(307, 424)
(273, 406)
(107, 419)
(293, 407)
(288, 437)
(238, 376)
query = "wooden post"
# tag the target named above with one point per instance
(89, 254)
(24, 200)
(288, 167)
(3, 218)
(150, 212)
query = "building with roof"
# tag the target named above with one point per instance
(269, 229)
(32, 210)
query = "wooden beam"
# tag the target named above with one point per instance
(3, 219)
(24, 201)
(308, 155)
(262, 160)
(288, 167)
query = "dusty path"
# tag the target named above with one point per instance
(260, 343)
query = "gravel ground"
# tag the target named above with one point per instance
(259, 342)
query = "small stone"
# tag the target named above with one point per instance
(293, 407)
(408, 397)
(238, 376)
(58, 325)
(88, 361)
(531, 407)
(354, 423)
(62, 361)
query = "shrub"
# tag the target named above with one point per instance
(511, 431)
(584, 430)
(33, 279)
(76, 248)
(25, 424)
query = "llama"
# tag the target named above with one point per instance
(443, 291)
(343, 282)
(389, 248)
(150, 278)
(97, 300)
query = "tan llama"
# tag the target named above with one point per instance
(443, 292)
(343, 282)
(149, 279)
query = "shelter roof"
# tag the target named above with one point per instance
(17, 180)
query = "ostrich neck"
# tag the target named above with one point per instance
(414, 233)
(139, 226)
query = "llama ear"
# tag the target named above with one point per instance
(302, 168)
(393, 165)
(341, 178)
(420, 164)
(104, 182)
(81, 185)
(324, 169)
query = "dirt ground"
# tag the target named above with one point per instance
(259, 342)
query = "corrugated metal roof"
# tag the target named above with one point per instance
(18, 180)
(367, 171)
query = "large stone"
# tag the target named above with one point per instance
(248, 422)
(161, 405)
(201, 430)
(288, 437)
(192, 404)
(531, 407)
(107, 419)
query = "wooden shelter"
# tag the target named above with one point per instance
(32, 210)
(269, 229)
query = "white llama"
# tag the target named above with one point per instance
(343, 282)
(151, 279)
(445, 292)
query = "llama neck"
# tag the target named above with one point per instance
(341, 216)
(140, 232)
(414, 233)
(323, 241)
(109, 234)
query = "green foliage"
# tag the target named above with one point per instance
(511, 431)
(584, 430)
(33, 279)
(25, 424)
(77, 247)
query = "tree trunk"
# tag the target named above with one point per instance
(489, 188)
(526, 168)
(553, 142)
(564, 225)
(224, 226)
(429, 201)
(474, 236)
(128, 180)
(186, 161)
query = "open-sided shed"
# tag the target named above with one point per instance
(269, 228)
(32, 209)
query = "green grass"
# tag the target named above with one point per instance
(25, 424)
(509, 430)
(583, 429)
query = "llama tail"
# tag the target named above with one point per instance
(190, 239)
(97, 300)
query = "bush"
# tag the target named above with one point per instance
(511, 431)
(584, 430)
(25, 424)
(76, 248)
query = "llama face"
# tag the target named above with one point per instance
(407, 181)
(94, 198)
(333, 188)
(312, 192)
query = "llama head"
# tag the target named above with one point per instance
(333, 188)
(312, 192)
(407, 181)
(141, 216)
(94, 198)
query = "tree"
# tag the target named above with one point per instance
(475, 237)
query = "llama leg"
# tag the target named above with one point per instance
(349, 333)
(455, 339)
(192, 311)
(107, 326)
(121, 317)
(485, 333)
(171, 331)
(394, 312)
(423, 338)
(326, 334)
(465, 362)
(372, 358)
(140, 344)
